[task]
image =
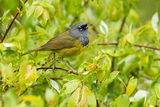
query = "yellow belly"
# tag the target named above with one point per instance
(71, 51)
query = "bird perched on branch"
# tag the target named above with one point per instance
(68, 43)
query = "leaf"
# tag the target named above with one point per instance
(40, 31)
(128, 38)
(9, 99)
(112, 76)
(91, 99)
(38, 11)
(8, 76)
(30, 2)
(45, 18)
(100, 74)
(154, 22)
(8, 44)
(103, 28)
(30, 11)
(82, 97)
(55, 85)
(152, 97)
(141, 30)
(73, 100)
(27, 76)
(35, 100)
(91, 67)
(139, 95)
(51, 97)
(157, 89)
(132, 84)
(5, 14)
(122, 101)
(71, 86)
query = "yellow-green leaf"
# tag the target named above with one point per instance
(157, 89)
(71, 86)
(132, 84)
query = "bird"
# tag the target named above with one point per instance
(68, 43)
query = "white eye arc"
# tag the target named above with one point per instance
(80, 29)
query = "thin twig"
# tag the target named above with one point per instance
(157, 59)
(97, 103)
(58, 68)
(56, 78)
(122, 24)
(135, 45)
(120, 30)
(10, 25)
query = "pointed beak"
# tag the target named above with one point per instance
(85, 26)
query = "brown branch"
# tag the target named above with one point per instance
(120, 30)
(58, 68)
(56, 78)
(157, 59)
(135, 45)
(10, 25)
(122, 24)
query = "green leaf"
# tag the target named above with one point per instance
(73, 100)
(82, 97)
(91, 99)
(35, 100)
(71, 86)
(122, 101)
(51, 97)
(30, 2)
(112, 76)
(154, 22)
(103, 28)
(132, 85)
(100, 74)
(55, 85)
(30, 11)
(38, 11)
(9, 99)
(157, 89)
(45, 18)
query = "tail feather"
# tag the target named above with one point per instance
(31, 51)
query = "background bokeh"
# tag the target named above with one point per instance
(119, 68)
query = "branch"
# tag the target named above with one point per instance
(10, 25)
(58, 68)
(120, 30)
(122, 24)
(135, 45)
(56, 78)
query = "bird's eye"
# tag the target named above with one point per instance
(80, 29)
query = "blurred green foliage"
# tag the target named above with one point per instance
(131, 80)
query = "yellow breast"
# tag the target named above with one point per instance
(71, 51)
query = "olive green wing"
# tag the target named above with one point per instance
(61, 41)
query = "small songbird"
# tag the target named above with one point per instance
(68, 43)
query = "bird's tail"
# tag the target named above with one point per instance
(38, 49)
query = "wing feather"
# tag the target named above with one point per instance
(62, 41)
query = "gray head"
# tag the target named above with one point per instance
(80, 31)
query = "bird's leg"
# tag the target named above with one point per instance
(47, 60)
(54, 60)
